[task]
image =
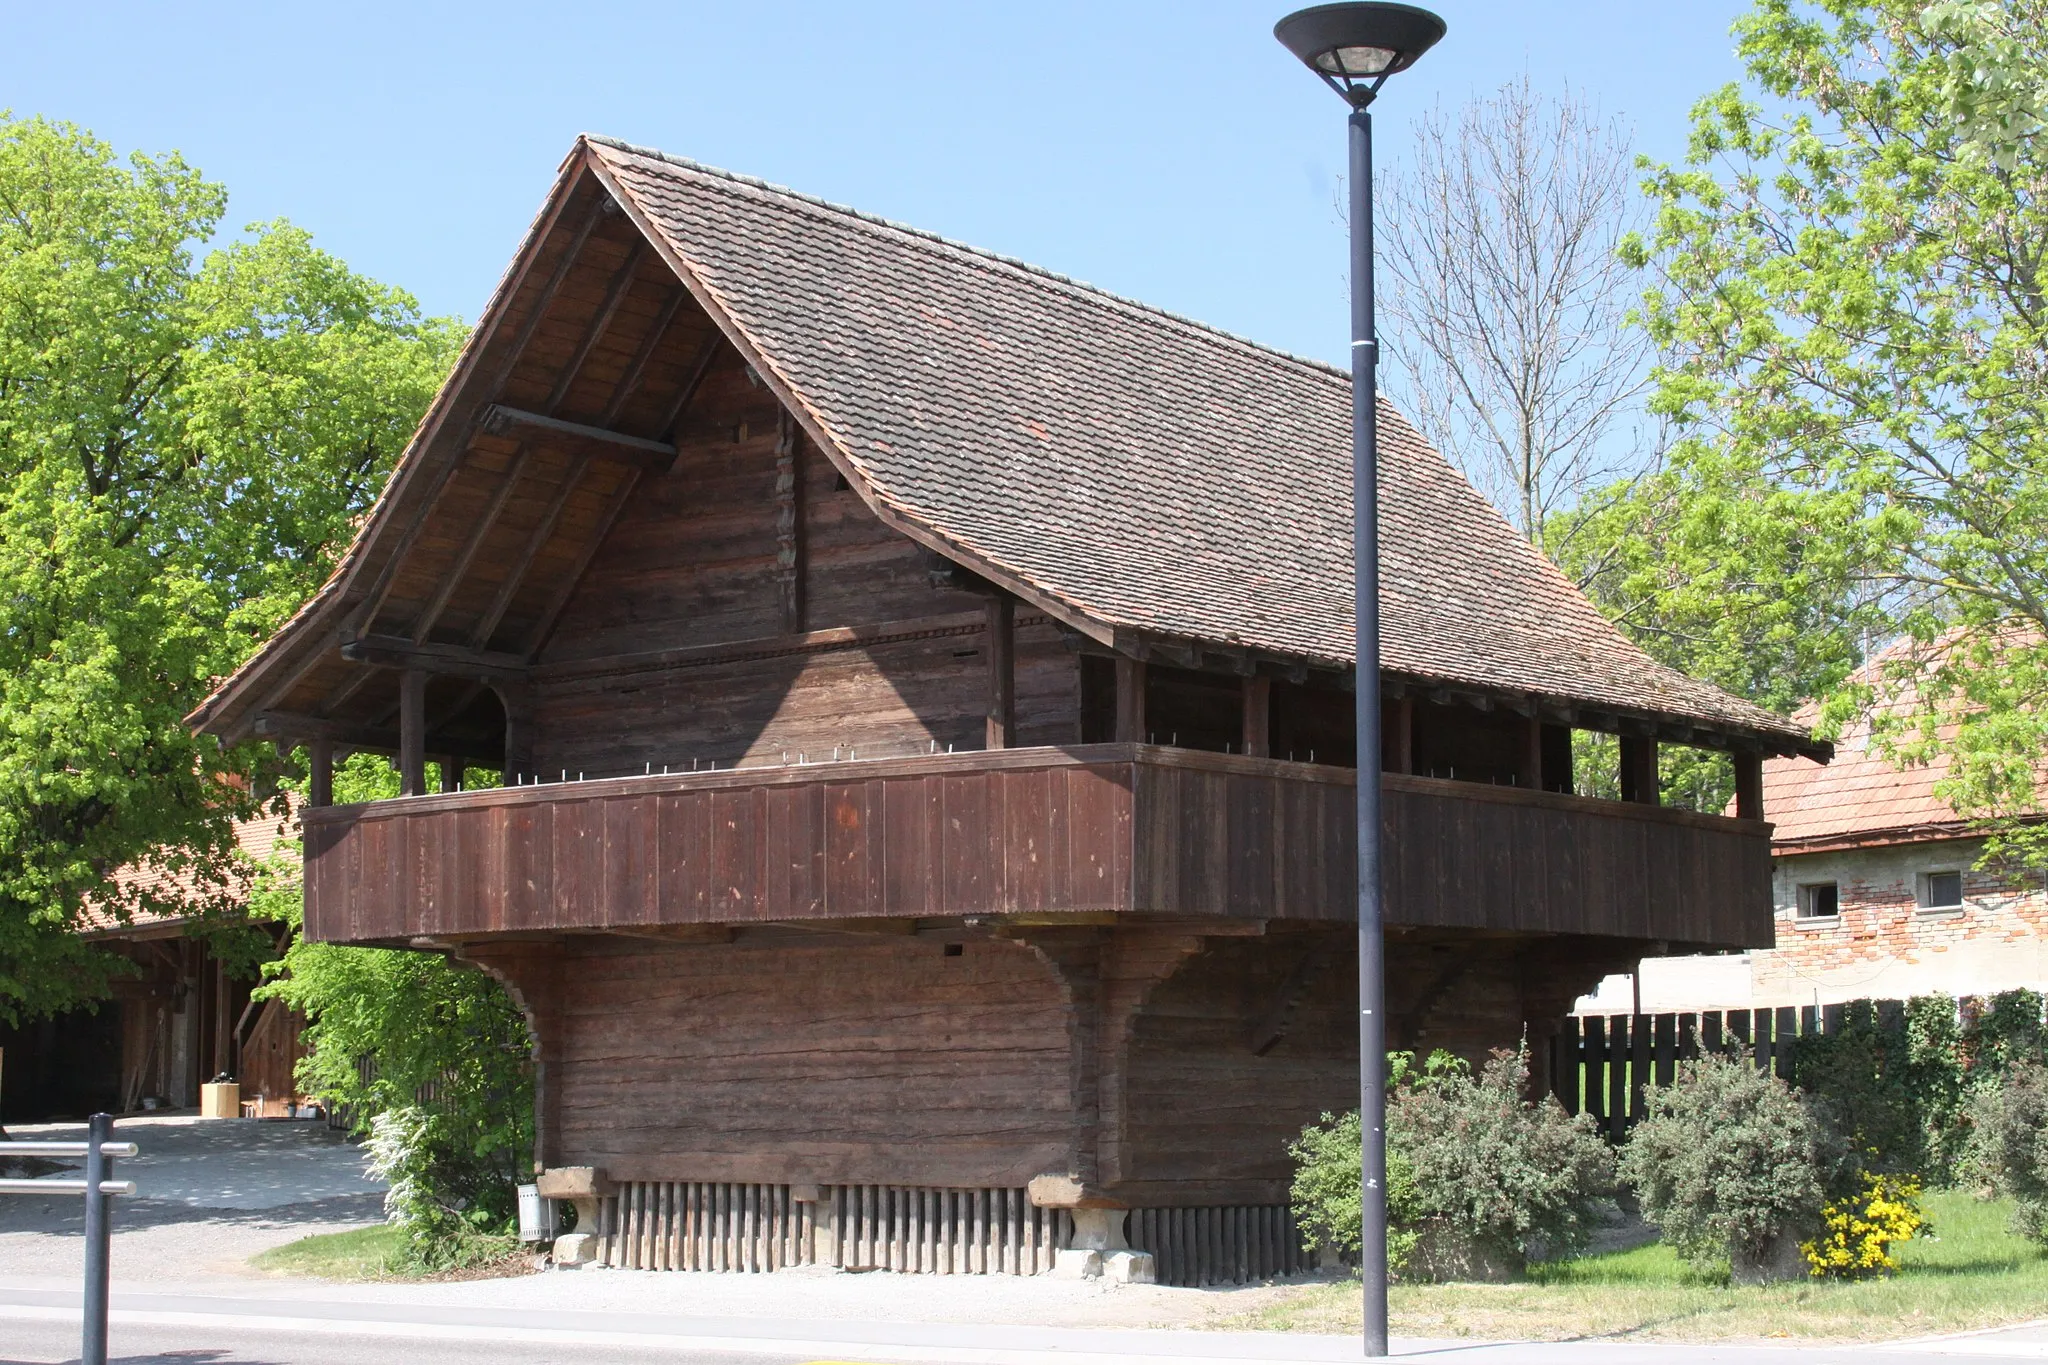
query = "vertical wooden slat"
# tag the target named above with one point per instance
(1711, 1041)
(1639, 1059)
(1788, 1029)
(1565, 1064)
(1667, 1049)
(1594, 1072)
(1617, 1077)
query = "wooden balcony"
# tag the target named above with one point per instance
(1116, 828)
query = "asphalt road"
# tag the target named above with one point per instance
(40, 1327)
(49, 1342)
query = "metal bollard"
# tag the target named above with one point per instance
(98, 1168)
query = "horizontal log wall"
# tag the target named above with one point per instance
(917, 685)
(880, 1060)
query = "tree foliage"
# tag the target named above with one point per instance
(440, 1048)
(1848, 296)
(186, 434)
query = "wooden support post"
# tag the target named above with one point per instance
(1130, 700)
(412, 732)
(1002, 672)
(320, 777)
(1401, 742)
(1639, 770)
(1749, 784)
(221, 1057)
(1258, 717)
(518, 733)
(789, 522)
(451, 773)
(1532, 753)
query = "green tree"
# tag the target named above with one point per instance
(185, 437)
(1849, 299)
(429, 1058)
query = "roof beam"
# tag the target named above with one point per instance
(576, 437)
(430, 615)
(388, 576)
(630, 380)
(453, 661)
(574, 578)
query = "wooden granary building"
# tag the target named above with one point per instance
(922, 689)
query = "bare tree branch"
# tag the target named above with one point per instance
(1507, 303)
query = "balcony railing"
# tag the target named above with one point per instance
(1116, 828)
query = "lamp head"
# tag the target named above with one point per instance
(1355, 47)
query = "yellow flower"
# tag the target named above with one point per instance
(1859, 1232)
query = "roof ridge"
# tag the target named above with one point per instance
(874, 220)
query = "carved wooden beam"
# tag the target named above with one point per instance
(394, 651)
(579, 439)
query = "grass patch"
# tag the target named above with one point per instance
(358, 1254)
(378, 1253)
(1972, 1274)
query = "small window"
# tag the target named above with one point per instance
(1819, 900)
(1941, 891)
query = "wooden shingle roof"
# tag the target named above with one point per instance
(1150, 473)
(1151, 482)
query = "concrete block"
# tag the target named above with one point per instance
(1129, 1267)
(575, 1249)
(1075, 1263)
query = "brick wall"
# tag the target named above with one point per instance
(1882, 944)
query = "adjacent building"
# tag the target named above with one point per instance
(1878, 893)
(922, 689)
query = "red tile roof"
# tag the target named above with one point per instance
(1152, 473)
(1141, 476)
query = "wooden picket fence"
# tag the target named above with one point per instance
(1602, 1064)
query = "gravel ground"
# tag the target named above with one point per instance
(211, 1194)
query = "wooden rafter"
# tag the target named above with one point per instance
(706, 353)
(388, 576)
(614, 296)
(430, 615)
(578, 437)
(516, 575)
(574, 577)
(630, 380)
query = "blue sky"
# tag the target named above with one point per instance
(1172, 152)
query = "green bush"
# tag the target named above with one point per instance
(1477, 1176)
(2009, 1146)
(445, 1201)
(1329, 1189)
(1894, 1087)
(1733, 1167)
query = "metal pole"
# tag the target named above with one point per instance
(1365, 541)
(98, 1168)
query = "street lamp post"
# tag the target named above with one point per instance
(1354, 48)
